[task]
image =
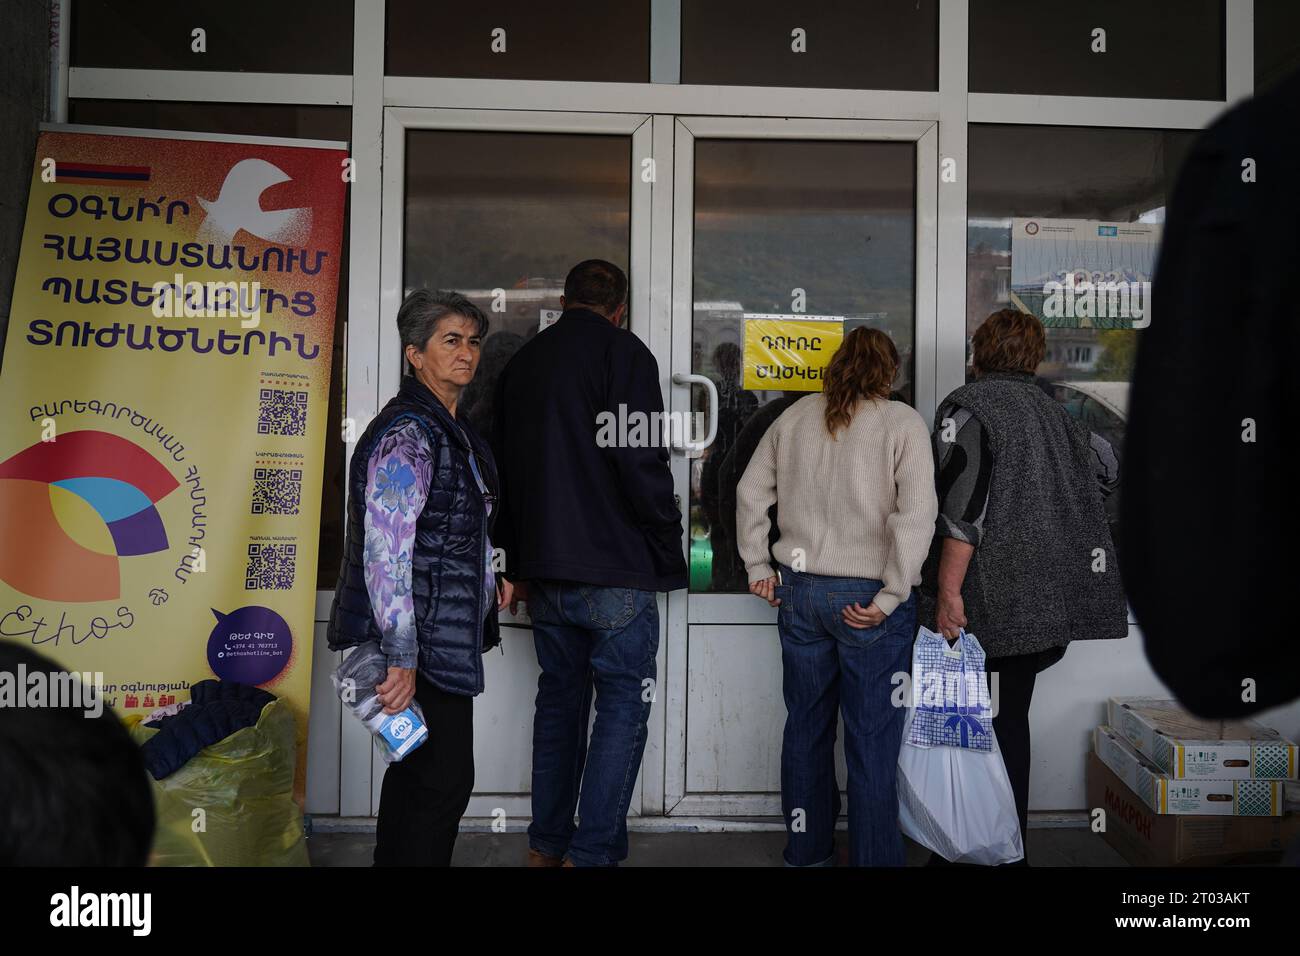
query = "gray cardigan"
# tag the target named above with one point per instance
(1045, 571)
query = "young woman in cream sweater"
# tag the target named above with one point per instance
(852, 475)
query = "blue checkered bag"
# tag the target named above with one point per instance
(949, 694)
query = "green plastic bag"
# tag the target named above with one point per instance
(244, 785)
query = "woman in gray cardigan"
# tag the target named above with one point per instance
(1023, 557)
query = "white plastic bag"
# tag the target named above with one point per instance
(956, 801)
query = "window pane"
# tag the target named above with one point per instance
(287, 36)
(301, 122)
(1050, 175)
(502, 218)
(1277, 40)
(1163, 49)
(517, 40)
(831, 224)
(249, 119)
(884, 45)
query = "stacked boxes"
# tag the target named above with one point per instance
(1178, 789)
(1165, 794)
(1192, 748)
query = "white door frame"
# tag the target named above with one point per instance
(359, 761)
(685, 609)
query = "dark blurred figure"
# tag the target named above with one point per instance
(737, 460)
(73, 788)
(735, 406)
(479, 398)
(1207, 517)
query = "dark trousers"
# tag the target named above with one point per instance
(425, 794)
(1015, 685)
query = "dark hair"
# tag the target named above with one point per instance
(596, 283)
(73, 788)
(863, 366)
(422, 310)
(1008, 341)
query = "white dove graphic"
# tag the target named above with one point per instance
(239, 207)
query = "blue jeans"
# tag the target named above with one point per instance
(830, 667)
(589, 638)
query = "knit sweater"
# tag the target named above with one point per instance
(860, 505)
(1044, 572)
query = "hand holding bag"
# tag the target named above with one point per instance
(954, 796)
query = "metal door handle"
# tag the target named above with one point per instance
(688, 379)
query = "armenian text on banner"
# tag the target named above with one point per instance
(789, 354)
(163, 408)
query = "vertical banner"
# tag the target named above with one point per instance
(163, 409)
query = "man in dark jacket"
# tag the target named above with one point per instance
(1206, 518)
(589, 521)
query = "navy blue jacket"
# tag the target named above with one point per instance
(217, 709)
(453, 625)
(572, 508)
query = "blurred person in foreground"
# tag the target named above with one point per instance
(73, 786)
(1206, 521)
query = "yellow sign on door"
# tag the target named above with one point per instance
(789, 355)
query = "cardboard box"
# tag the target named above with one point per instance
(1192, 748)
(1145, 838)
(1244, 798)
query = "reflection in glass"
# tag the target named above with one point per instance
(287, 36)
(828, 222)
(585, 40)
(1161, 49)
(1061, 172)
(501, 218)
(1277, 41)
(882, 45)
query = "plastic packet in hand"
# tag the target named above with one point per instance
(396, 735)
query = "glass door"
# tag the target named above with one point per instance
(499, 205)
(807, 228)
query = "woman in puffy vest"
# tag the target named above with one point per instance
(417, 572)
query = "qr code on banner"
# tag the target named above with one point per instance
(281, 411)
(270, 567)
(276, 491)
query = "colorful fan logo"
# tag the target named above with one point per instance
(71, 509)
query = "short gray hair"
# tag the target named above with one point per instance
(422, 310)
